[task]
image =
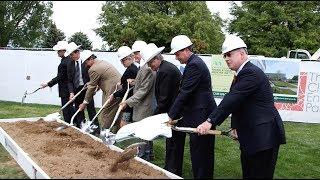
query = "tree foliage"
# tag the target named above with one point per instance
(22, 23)
(52, 36)
(158, 22)
(81, 39)
(273, 28)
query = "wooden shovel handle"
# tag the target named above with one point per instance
(194, 130)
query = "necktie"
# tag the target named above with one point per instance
(77, 75)
(234, 79)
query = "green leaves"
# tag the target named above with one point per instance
(273, 28)
(53, 36)
(23, 22)
(158, 22)
(81, 39)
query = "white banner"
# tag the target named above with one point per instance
(307, 108)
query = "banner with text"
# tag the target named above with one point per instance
(295, 85)
(283, 76)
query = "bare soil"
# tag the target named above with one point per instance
(71, 154)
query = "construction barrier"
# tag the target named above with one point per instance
(296, 83)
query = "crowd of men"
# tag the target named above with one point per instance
(159, 87)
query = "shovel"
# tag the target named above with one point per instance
(26, 93)
(71, 122)
(128, 153)
(56, 115)
(211, 132)
(104, 135)
(87, 126)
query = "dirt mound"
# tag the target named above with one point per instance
(72, 154)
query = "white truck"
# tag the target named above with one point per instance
(303, 54)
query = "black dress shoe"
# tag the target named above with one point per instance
(96, 132)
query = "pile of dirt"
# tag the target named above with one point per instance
(71, 154)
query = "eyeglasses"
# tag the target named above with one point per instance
(228, 54)
(124, 59)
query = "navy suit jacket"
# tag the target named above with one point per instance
(71, 75)
(167, 86)
(250, 100)
(61, 78)
(195, 99)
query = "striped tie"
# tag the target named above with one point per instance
(77, 75)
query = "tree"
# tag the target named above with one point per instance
(22, 23)
(158, 22)
(81, 39)
(273, 28)
(52, 36)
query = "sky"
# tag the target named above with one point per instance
(74, 16)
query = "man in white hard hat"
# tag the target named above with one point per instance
(166, 90)
(257, 123)
(106, 76)
(125, 55)
(62, 80)
(77, 78)
(194, 103)
(142, 99)
(137, 47)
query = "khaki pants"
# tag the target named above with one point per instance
(108, 114)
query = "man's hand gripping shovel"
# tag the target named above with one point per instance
(229, 133)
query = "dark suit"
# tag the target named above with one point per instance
(129, 73)
(195, 102)
(166, 90)
(62, 80)
(72, 89)
(259, 126)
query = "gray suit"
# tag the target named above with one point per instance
(141, 100)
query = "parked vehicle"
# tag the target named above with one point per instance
(303, 54)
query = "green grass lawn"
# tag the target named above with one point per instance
(298, 159)
(284, 84)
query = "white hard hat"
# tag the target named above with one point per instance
(123, 52)
(61, 45)
(232, 42)
(70, 48)
(179, 42)
(150, 51)
(84, 55)
(138, 46)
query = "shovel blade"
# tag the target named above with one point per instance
(128, 153)
(52, 117)
(61, 128)
(110, 140)
(88, 127)
(24, 97)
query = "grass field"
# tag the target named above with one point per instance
(298, 159)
